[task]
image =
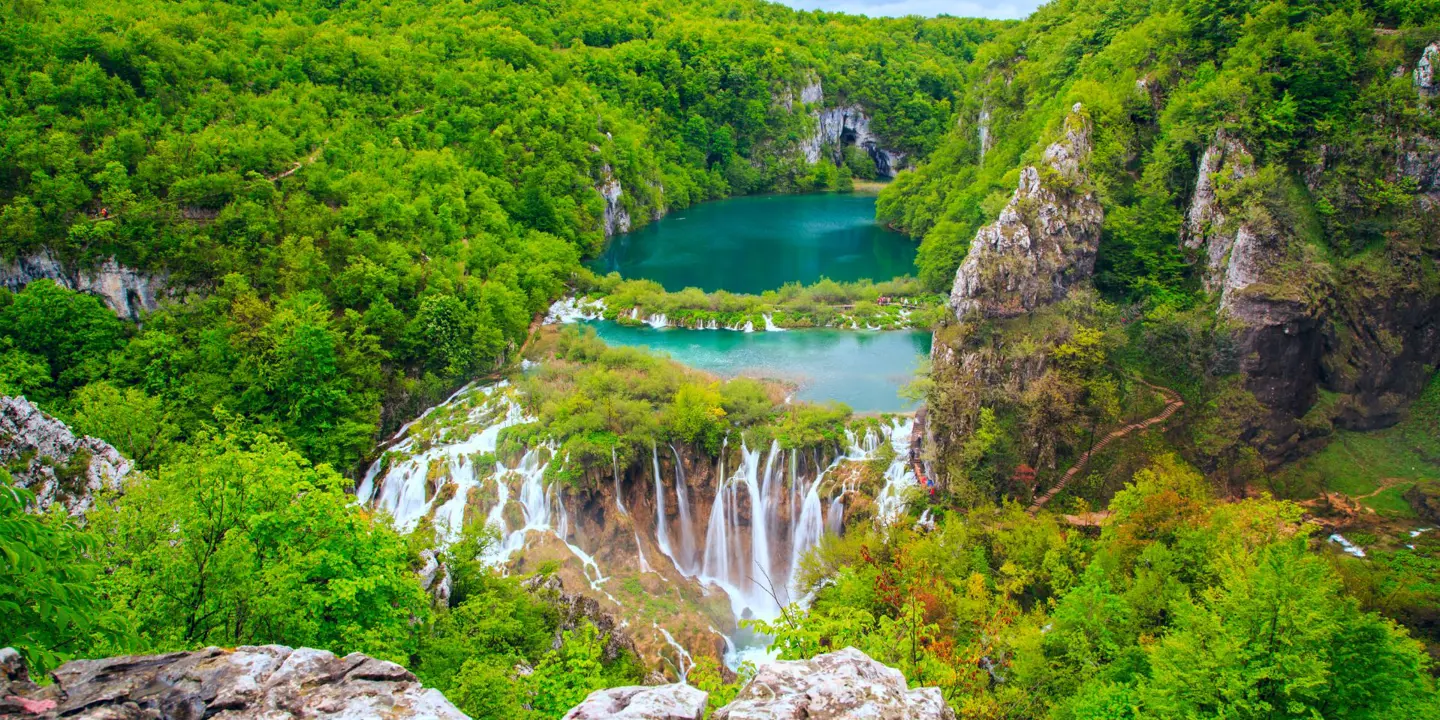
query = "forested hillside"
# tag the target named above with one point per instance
(1251, 196)
(363, 205)
(1180, 449)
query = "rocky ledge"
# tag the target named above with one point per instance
(1044, 241)
(844, 685)
(52, 462)
(273, 682)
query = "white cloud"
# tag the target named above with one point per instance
(1001, 9)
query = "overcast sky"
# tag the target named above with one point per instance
(1007, 9)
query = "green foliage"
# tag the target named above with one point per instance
(238, 540)
(1182, 608)
(50, 608)
(137, 425)
(824, 304)
(1291, 81)
(70, 334)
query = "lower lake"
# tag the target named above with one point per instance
(863, 369)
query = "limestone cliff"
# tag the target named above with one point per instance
(124, 290)
(45, 457)
(270, 681)
(1366, 329)
(840, 126)
(1044, 241)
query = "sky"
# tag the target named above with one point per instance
(1000, 9)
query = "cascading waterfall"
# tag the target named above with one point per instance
(770, 325)
(765, 516)
(615, 472)
(404, 492)
(683, 662)
(687, 528)
(662, 533)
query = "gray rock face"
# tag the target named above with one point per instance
(1425, 81)
(835, 686)
(840, 127)
(435, 577)
(48, 459)
(125, 291)
(271, 681)
(1044, 241)
(1226, 160)
(617, 219)
(663, 702)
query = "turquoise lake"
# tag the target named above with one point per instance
(754, 244)
(758, 243)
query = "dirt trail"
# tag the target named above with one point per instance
(1172, 404)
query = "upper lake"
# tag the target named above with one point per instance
(758, 243)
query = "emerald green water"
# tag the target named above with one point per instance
(862, 369)
(754, 244)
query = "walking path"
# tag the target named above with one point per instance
(1172, 403)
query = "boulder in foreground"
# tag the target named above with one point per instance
(662, 702)
(271, 681)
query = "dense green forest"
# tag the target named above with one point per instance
(363, 205)
(367, 204)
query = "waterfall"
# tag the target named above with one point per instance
(658, 321)
(835, 516)
(644, 564)
(770, 325)
(615, 472)
(899, 477)
(807, 532)
(662, 533)
(569, 310)
(749, 327)
(687, 527)
(683, 662)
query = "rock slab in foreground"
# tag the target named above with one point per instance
(845, 685)
(271, 682)
(664, 702)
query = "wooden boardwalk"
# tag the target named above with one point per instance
(1172, 404)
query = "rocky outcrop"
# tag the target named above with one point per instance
(435, 576)
(1205, 229)
(126, 291)
(271, 681)
(1425, 81)
(842, 126)
(575, 610)
(616, 220)
(45, 457)
(663, 702)
(1043, 242)
(845, 684)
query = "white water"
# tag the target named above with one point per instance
(770, 325)
(662, 530)
(658, 321)
(1347, 546)
(683, 662)
(615, 472)
(404, 494)
(686, 564)
(758, 528)
(568, 310)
